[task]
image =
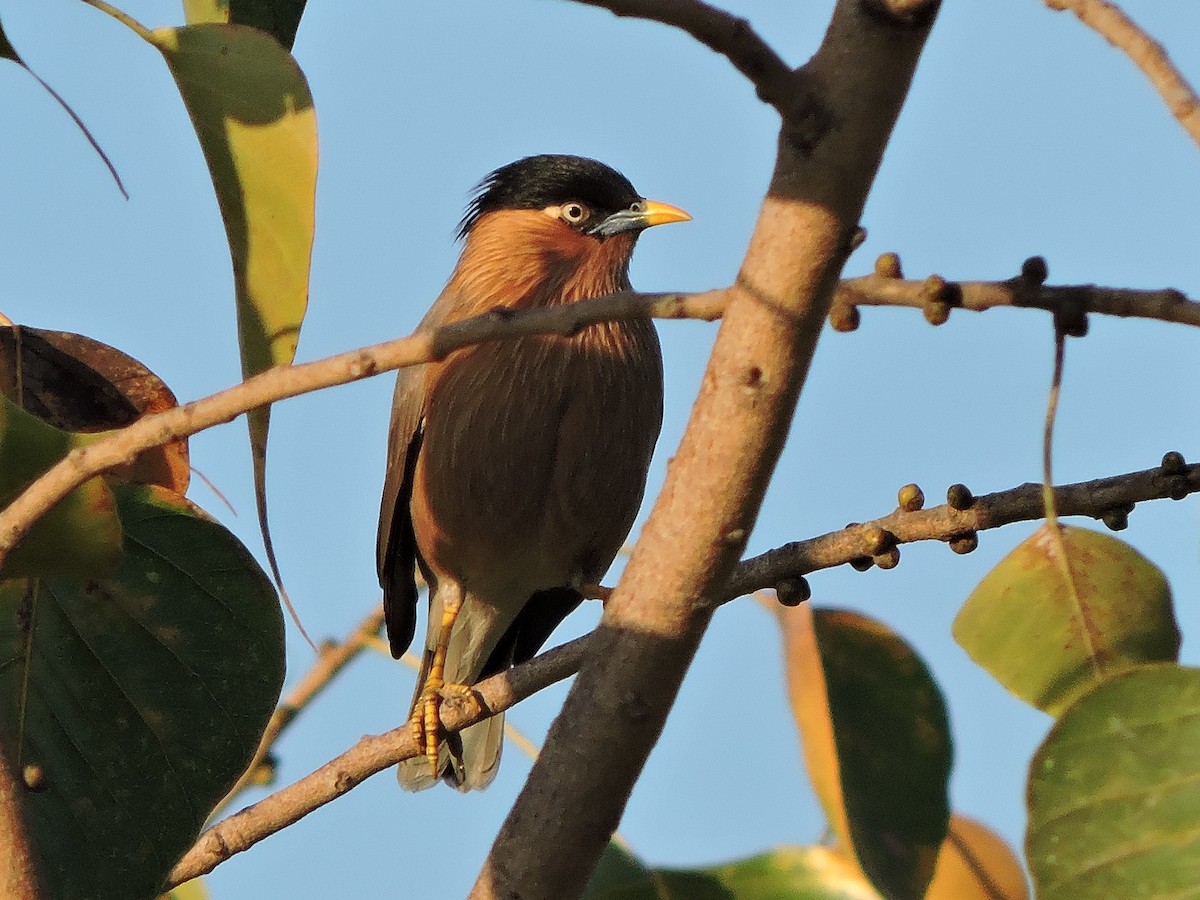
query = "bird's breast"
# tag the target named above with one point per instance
(535, 454)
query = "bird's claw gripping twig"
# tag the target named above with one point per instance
(426, 722)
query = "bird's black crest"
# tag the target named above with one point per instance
(539, 181)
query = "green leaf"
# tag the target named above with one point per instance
(787, 873)
(254, 115)
(1049, 626)
(893, 746)
(80, 535)
(876, 741)
(278, 18)
(1114, 791)
(138, 698)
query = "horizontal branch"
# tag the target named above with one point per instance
(934, 295)
(731, 36)
(856, 542)
(937, 297)
(1111, 22)
(290, 381)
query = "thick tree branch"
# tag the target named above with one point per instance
(1110, 21)
(729, 35)
(289, 381)
(941, 523)
(832, 141)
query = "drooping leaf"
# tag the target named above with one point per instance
(254, 115)
(976, 864)
(884, 780)
(786, 873)
(1047, 636)
(1114, 791)
(81, 385)
(81, 534)
(8, 51)
(278, 18)
(139, 697)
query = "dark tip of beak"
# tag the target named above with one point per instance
(641, 215)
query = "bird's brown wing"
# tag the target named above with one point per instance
(397, 556)
(397, 546)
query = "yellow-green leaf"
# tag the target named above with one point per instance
(785, 873)
(1114, 791)
(254, 115)
(1049, 626)
(81, 535)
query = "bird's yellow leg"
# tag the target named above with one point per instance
(426, 721)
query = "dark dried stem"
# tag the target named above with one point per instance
(731, 36)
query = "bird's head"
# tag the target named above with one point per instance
(554, 228)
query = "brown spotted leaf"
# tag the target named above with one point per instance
(82, 385)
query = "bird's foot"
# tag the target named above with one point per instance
(426, 722)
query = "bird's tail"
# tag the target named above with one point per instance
(467, 761)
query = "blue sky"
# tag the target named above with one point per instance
(1025, 134)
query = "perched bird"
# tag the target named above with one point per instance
(515, 468)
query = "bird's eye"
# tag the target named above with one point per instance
(574, 213)
(638, 206)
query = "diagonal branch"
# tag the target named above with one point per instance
(731, 36)
(1111, 22)
(947, 523)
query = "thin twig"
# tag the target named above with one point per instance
(1167, 305)
(1111, 22)
(946, 523)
